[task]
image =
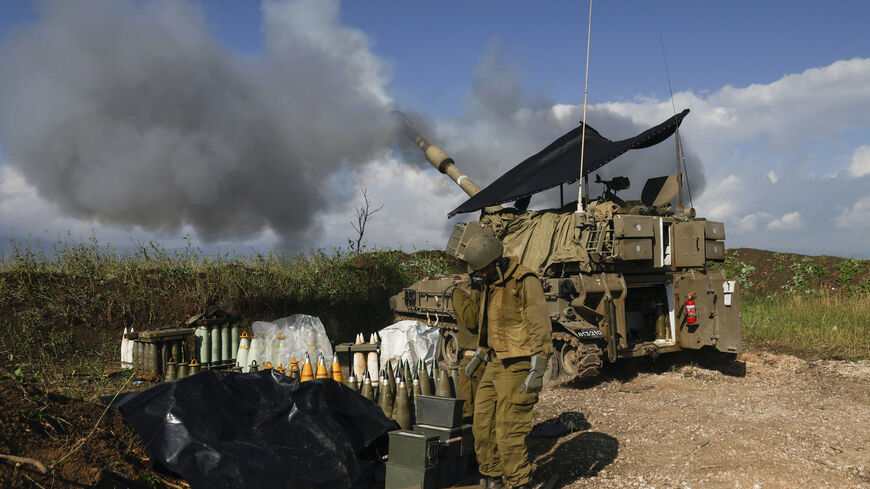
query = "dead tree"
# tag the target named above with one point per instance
(363, 214)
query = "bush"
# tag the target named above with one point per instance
(82, 296)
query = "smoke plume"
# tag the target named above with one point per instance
(133, 113)
(504, 123)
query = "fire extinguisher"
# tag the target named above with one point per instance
(691, 312)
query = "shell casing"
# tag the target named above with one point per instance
(215, 346)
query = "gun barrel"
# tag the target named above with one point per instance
(441, 160)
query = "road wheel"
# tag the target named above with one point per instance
(449, 347)
(554, 370)
(570, 360)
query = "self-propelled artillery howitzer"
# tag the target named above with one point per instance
(622, 278)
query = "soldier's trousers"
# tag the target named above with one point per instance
(502, 420)
(467, 387)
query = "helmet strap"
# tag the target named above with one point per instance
(498, 266)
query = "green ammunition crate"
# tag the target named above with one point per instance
(466, 446)
(462, 464)
(445, 412)
(411, 449)
(447, 467)
(401, 477)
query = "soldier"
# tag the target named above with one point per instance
(466, 305)
(514, 344)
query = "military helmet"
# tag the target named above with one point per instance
(482, 250)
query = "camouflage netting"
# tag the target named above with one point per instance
(542, 239)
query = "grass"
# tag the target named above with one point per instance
(63, 310)
(810, 325)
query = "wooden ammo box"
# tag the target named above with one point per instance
(445, 412)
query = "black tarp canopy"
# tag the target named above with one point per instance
(560, 163)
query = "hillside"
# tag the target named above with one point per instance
(768, 273)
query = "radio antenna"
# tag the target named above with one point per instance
(580, 207)
(681, 160)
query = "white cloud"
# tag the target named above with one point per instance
(746, 223)
(771, 175)
(860, 162)
(783, 113)
(855, 216)
(788, 222)
(415, 204)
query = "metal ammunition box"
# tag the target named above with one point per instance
(401, 477)
(445, 412)
(412, 449)
(634, 249)
(715, 250)
(714, 230)
(446, 473)
(633, 226)
(466, 446)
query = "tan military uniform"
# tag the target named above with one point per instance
(466, 304)
(514, 325)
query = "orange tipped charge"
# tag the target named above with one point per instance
(336, 368)
(321, 368)
(307, 373)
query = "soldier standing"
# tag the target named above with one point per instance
(466, 306)
(514, 343)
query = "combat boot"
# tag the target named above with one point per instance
(492, 483)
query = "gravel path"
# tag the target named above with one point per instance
(764, 422)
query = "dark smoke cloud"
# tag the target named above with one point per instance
(133, 113)
(505, 123)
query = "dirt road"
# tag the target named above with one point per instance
(765, 422)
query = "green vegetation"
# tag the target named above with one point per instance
(735, 269)
(847, 270)
(72, 303)
(62, 311)
(818, 325)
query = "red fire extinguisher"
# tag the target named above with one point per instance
(691, 312)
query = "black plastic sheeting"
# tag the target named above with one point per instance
(560, 163)
(259, 430)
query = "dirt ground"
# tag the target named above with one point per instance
(80, 443)
(764, 422)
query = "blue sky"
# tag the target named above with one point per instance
(778, 128)
(434, 47)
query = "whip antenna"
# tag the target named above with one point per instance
(580, 207)
(681, 160)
